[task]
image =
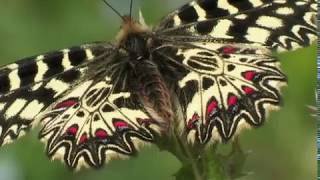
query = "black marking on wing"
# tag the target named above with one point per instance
(50, 65)
(101, 119)
(77, 55)
(54, 63)
(28, 72)
(279, 25)
(31, 85)
(217, 103)
(210, 8)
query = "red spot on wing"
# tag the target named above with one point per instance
(211, 107)
(248, 90)
(193, 120)
(120, 124)
(229, 50)
(233, 100)
(72, 130)
(83, 138)
(66, 104)
(101, 134)
(249, 75)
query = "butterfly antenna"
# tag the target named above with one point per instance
(131, 4)
(114, 10)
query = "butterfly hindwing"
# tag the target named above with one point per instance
(280, 25)
(222, 89)
(101, 119)
(29, 86)
(218, 56)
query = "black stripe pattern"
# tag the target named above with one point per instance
(280, 25)
(31, 85)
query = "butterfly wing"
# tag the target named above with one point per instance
(99, 120)
(217, 56)
(222, 89)
(279, 25)
(29, 86)
(202, 10)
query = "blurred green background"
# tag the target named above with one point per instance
(283, 149)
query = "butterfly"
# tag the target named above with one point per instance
(207, 66)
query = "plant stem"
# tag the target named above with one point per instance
(199, 163)
(189, 159)
(195, 168)
(203, 163)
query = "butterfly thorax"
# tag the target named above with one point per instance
(134, 38)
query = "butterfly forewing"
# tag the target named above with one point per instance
(280, 25)
(202, 10)
(31, 85)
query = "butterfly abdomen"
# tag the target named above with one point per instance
(154, 91)
(147, 79)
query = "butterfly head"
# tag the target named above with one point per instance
(130, 27)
